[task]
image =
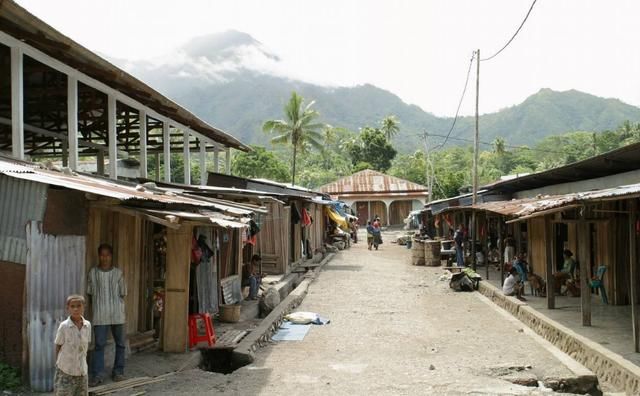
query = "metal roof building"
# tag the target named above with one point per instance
(372, 193)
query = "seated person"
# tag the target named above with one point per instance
(567, 271)
(512, 286)
(251, 278)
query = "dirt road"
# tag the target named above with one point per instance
(395, 329)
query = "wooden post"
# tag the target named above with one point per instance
(203, 163)
(584, 260)
(549, 243)
(100, 163)
(176, 308)
(143, 144)
(227, 159)
(216, 161)
(72, 121)
(17, 103)
(500, 252)
(484, 244)
(633, 276)
(113, 138)
(187, 157)
(166, 150)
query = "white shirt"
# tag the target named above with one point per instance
(72, 358)
(509, 284)
(107, 290)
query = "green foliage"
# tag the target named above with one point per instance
(390, 126)
(259, 164)
(452, 166)
(373, 148)
(9, 377)
(299, 129)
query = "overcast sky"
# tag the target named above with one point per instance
(417, 49)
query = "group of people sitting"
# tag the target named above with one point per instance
(520, 273)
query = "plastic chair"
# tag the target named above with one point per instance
(195, 337)
(598, 283)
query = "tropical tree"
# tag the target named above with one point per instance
(390, 126)
(259, 163)
(300, 128)
(371, 149)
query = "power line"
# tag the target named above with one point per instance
(491, 144)
(514, 35)
(464, 90)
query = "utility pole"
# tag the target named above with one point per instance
(474, 226)
(427, 173)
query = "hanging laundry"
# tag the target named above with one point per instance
(306, 219)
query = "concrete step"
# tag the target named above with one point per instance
(250, 309)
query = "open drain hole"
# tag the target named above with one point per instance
(219, 360)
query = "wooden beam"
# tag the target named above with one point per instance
(203, 163)
(633, 276)
(584, 241)
(113, 139)
(143, 143)
(72, 121)
(187, 157)
(166, 141)
(17, 103)
(549, 243)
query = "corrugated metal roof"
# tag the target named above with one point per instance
(112, 188)
(528, 207)
(55, 269)
(203, 217)
(20, 202)
(370, 181)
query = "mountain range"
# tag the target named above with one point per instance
(234, 82)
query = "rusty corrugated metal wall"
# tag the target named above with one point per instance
(20, 202)
(55, 269)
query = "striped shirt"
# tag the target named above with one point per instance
(107, 290)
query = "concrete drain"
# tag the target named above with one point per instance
(218, 360)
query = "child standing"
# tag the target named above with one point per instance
(72, 343)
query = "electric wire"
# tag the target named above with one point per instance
(464, 91)
(514, 35)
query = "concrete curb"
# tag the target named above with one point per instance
(243, 353)
(607, 365)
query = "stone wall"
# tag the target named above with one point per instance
(608, 366)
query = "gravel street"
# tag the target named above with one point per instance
(395, 329)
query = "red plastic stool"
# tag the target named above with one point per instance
(195, 330)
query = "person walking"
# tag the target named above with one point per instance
(458, 238)
(107, 289)
(377, 234)
(369, 235)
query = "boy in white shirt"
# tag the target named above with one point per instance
(512, 286)
(72, 343)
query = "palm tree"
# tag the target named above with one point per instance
(390, 126)
(299, 129)
(499, 145)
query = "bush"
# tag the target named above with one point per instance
(9, 377)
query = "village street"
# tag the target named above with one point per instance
(395, 329)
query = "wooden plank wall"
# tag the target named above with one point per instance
(398, 211)
(537, 246)
(379, 208)
(124, 233)
(176, 308)
(317, 228)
